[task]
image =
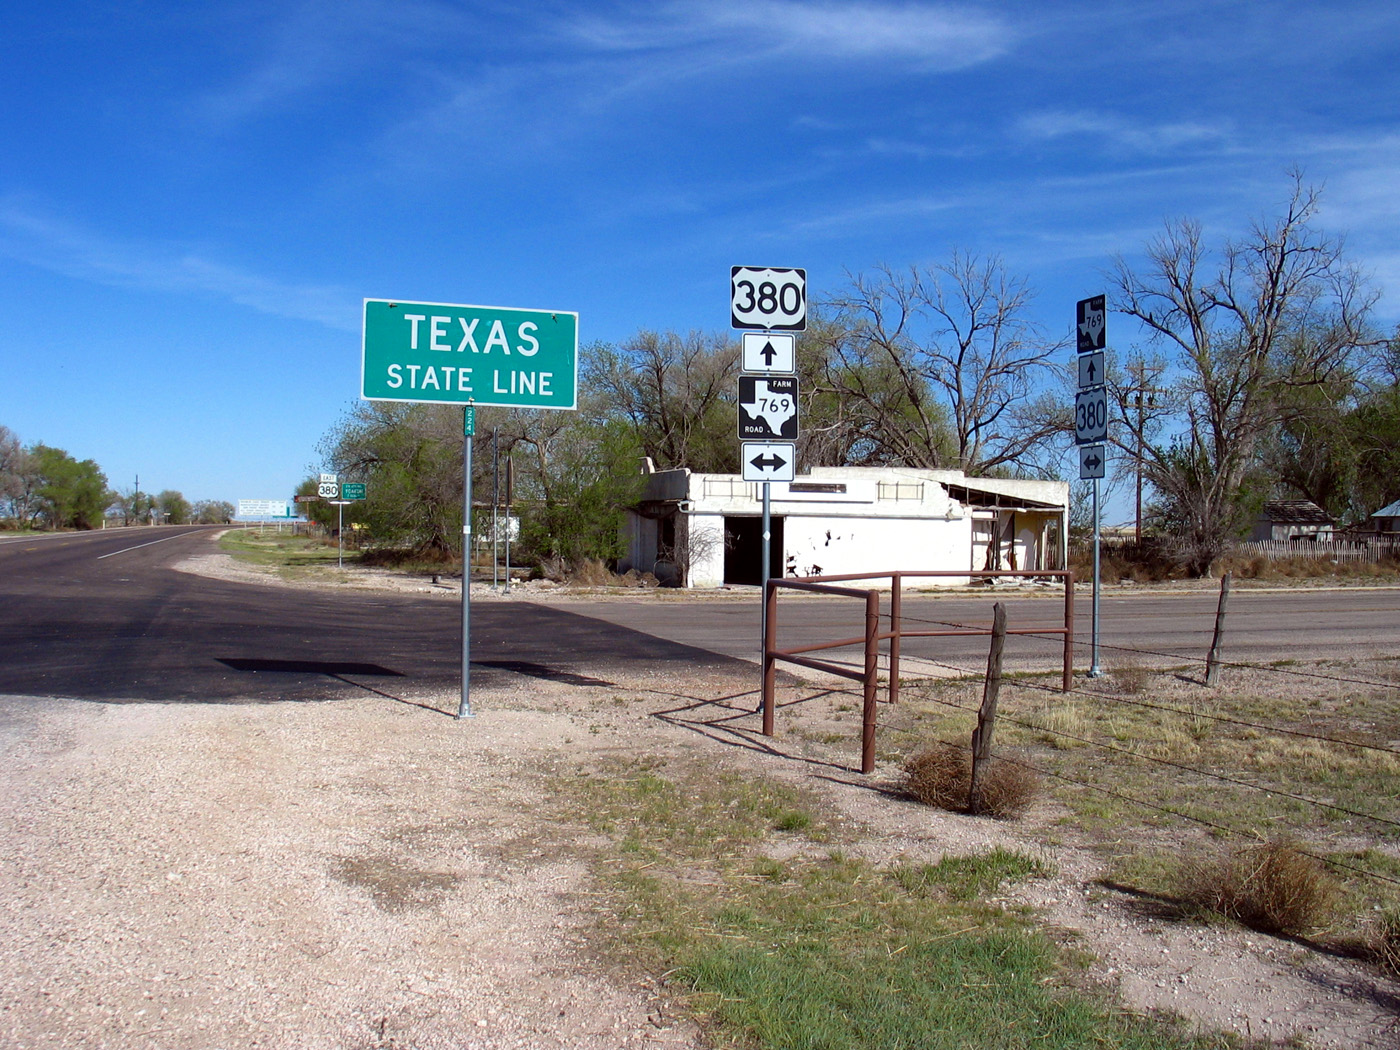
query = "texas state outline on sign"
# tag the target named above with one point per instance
(773, 409)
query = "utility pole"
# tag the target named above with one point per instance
(1144, 399)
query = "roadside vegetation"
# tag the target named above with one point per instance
(285, 553)
(45, 489)
(1263, 376)
(1269, 800)
(743, 894)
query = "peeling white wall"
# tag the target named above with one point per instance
(839, 520)
(833, 546)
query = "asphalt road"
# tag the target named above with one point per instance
(1151, 628)
(102, 616)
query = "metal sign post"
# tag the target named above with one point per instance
(495, 507)
(464, 707)
(769, 303)
(1094, 670)
(1091, 425)
(767, 539)
(460, 354)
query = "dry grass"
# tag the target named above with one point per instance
(592, 572)
(1130, 676)
(1384, 942)
(1274, 888)
(941, 776)
(1302, 566)
(1006, 789)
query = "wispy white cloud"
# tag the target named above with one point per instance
(1116, 132)
(314, 45)
(940, 36)
(860, 217)
(29, 236)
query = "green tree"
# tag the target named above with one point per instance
(173, 507)
(70, 494)
(410, 456)
(1339, 444)
(213, 512)
(676, 393)
(581, 472)
(18, 477)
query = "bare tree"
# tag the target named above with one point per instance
(941, 365)
(1276, 310)
(677, 392)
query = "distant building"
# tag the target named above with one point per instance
(1293, 519)
(704, 530)
(1387, 519)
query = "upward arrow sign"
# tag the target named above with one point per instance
(768, 352)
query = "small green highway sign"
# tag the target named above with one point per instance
(442, 353)
(352, 490)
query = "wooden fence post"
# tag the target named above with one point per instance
(1213, 660)
(987, 714)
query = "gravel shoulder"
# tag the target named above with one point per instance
(369, 872)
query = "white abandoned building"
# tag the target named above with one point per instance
(704, 530)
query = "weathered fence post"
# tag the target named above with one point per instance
(896, 629)
(1213, 660)
(872, 677)
(987, 714)
(770, 664)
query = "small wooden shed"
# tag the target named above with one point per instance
(1293, 519)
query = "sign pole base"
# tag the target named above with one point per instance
(464, 707)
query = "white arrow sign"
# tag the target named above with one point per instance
(768, 352)
(1090, 370)
(768, 460)
(1092, 459)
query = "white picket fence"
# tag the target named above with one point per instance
(1340, 551)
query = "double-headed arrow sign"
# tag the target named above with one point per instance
(768, 461)
(1092, 460)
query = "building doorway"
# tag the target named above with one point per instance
(743, 550)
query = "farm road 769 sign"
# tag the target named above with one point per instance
(444, 353)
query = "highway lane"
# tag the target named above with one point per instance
(103, 616)
(98, 616)
(1145, 627)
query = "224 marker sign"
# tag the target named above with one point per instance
(768, 299)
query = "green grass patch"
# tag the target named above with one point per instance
(819, 950)
(289, 555)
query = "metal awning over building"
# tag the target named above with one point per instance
(971, 496)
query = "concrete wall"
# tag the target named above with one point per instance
(832, 546)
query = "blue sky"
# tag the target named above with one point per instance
(195, 198)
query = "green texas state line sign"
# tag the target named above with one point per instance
(445, 353)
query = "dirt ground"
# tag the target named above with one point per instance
(370, 872)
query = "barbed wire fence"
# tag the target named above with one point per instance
(1103, 697)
